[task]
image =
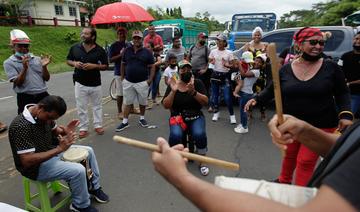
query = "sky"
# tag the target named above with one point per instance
(222, 10)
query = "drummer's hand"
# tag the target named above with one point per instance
(165, 161)
(343, 124)
(287, 132)
(71, 126)
(66, 141)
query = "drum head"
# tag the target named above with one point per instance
(75, 154)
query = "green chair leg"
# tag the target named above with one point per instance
(43, 195)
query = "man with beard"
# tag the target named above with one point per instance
(199, 58)
(350, 63)
(88, 59)
(28, 72)
(136, 63)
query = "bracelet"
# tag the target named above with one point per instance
(346, 114)
(194, 94)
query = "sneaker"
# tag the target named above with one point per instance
(241, 129)
(87, 209)
(143, 123)
(83, 134)
(210, 110)
(122, 127)
(99, 195)
(232, 119)
(216, 116)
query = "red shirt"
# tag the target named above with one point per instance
(156, 39)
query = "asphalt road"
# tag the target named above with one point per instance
(127, 174)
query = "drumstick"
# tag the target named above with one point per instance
(271, 51)
(188, 155)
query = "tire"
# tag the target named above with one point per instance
(112, 89)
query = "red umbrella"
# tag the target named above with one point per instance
(120, 12)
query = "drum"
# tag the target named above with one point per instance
(290, 195)
(79, 155)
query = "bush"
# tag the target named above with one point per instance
(71, 37)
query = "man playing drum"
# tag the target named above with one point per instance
(38, 144)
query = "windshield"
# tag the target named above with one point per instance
(165, 33)
(248, 24)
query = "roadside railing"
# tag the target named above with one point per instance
(30, 21)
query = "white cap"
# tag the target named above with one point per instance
(262, 56)
(248, 57)
(19, 37)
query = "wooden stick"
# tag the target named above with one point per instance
(188, 155)
(271, 51)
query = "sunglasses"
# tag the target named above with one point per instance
(314, 42)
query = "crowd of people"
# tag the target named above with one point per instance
(319, 95)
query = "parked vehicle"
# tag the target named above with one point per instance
(353, 19)
(188, 30)
(339, 43)
(243, 24)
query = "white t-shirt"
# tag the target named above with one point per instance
(219, 56)
(169, 72)
(249, 81)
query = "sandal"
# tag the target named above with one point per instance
(204, 170)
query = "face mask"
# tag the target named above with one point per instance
(20, 54)
(311, 58)
(202, 42)
(357, 48)
(172, 66)
(185, 77)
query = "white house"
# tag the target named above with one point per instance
(61, 9)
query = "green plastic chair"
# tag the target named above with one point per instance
(43, 195)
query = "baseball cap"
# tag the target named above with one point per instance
(19, 37)
(221, 37)
(137, 33)
(202, 35)
(121, 29)
(184, 63)
(248, 57)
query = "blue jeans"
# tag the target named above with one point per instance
(215, 90)
(155, 84)
(198, 133)
(244, 98)
(355, 103)
(74, 174)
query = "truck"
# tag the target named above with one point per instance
(187, 30)
(243, 24)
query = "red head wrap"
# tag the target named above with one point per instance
(305, 33)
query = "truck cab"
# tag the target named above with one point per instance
(166, 32)
(187, 30)
(243, 24)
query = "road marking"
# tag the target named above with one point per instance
(6, 97)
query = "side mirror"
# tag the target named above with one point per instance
(181, 32)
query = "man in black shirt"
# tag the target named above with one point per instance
(38, 157)
(350, 63)
(88, 59)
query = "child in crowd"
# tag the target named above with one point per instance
(244, 88)
(171, 70)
